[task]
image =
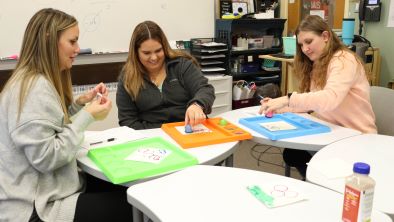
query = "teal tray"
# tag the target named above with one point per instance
(111, 160)
(303, 126)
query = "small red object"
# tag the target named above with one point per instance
(269, 114)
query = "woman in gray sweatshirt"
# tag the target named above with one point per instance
(41, 128)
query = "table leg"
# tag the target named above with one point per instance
(137, 215)
(229, 162)
(286, 78)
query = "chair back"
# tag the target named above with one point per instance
(382, 100)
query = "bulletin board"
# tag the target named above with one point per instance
(107, 25)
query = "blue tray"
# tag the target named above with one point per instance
(303, 126)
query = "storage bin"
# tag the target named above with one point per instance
(237, 104)
(289, 45)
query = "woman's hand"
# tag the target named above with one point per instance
(90, 95)
(99, 108)
(271, 105)
(194, 115)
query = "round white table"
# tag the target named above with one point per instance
(376, 150)
(208, 155)
(211, 193)
(310, 142)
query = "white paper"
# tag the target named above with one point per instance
(254, 111)
(390, 20)
(119, 134)
(212, 44)
(211, 62)
(149, 155)
(199, 128)
(213, 50)
(282, 194)
(212, 69)
(333, 168)
(317, 12)
(278, 126)
(211, 56)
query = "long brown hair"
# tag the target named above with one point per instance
(133, 70)
(303, 66)
(39, 55)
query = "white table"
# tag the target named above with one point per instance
(376, 150)
(310, 142)
(209, 155)
(211, 193)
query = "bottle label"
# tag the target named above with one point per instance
(357, 205)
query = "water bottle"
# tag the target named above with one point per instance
(358, 195)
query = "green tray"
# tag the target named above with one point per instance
(111, 160)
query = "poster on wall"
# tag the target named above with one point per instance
(320, 8)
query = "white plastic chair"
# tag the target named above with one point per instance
(382, 100)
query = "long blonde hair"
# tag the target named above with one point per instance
(303, 66)
(133, 70)
(39, 56)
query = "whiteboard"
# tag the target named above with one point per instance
(107, 25)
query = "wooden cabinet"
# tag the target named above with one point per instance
(372, 66)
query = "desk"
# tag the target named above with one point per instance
(376, 150)
(209, 155)
(310, 142)
(211, 193)
(288, 83)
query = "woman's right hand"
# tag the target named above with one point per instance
(91, 95)
(99, 108)
(269, 105)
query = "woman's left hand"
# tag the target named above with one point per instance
(271, 105)
(90, 95)
(194, 115)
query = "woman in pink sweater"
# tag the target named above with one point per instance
(333, 81)
(333, 85)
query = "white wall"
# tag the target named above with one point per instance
(106, 25)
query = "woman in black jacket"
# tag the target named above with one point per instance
(159, 85)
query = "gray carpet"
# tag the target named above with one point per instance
(250, 155)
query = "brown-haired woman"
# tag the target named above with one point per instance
(159, 85)
(333, 81)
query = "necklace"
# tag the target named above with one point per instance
(159, 77)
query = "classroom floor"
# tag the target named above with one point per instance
(262, 158)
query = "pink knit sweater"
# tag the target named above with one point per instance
(344, 100)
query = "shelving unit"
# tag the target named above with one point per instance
(213, 59)
(212, 56)
(244, 63)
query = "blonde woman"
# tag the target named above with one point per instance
(41, 128)
(160, 85)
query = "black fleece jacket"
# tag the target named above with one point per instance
(184, 85)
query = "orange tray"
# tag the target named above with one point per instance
(222, 132)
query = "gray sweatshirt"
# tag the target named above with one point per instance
(38, 165)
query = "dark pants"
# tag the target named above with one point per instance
(298, 159)
(102, 201)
